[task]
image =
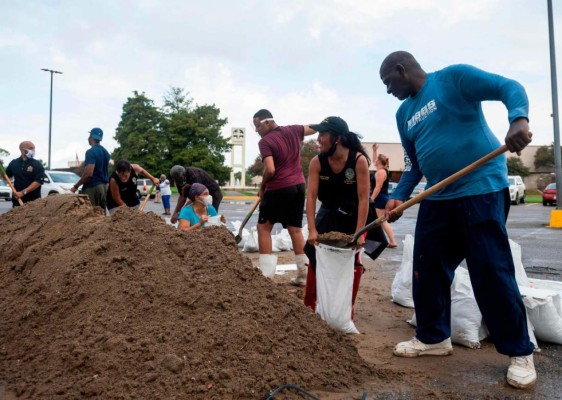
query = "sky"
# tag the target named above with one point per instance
(301, 59)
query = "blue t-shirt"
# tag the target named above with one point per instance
(98, 156)
(189, 214)
(442, 129)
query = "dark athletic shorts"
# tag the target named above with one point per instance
(284, 206)
(381, 200)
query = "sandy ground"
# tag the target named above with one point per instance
(467, 374)
(127, 307)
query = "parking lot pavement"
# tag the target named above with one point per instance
(526, 225)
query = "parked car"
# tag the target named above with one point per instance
(143, 187)
(517, 189)
(57, 182)
(549, 194)
(420, 187)
(5, 191)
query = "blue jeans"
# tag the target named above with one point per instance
(471, 228)
(166, 201)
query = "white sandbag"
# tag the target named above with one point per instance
(545, 313)
(546, 284)
(531, 332)
(282, 241)
(334, 286)
(520, 274)
(467, 327)
(251, 243)
(401, 289)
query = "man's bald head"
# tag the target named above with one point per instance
(26, 145)
(403, 58)
(402, 75)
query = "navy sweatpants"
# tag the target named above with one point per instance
(471, 228)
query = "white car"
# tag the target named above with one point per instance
(58, 182)
(516, 189)
(5, 191)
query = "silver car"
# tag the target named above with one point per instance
(5, 191)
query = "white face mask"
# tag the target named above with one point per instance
(30, 154)
(208, 200)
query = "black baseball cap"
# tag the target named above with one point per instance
(335, 125)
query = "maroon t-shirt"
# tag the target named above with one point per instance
(284, 145)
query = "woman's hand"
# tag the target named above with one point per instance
(360, 241)
(312, 237)
(204, 219)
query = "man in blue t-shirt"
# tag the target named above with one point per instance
(96, 171)
(443, 129)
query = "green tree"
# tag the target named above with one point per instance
(516, 167)
(3, 154)
(193, 135)
(140, 138)
(544, 158)
(309, 150)
(256, 169)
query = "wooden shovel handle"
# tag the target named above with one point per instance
(147, 197)
(438, 186)
(457, 175)
(249, 215)
(9, 182)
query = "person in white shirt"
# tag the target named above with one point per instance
(166, 194)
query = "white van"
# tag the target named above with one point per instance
(516, 189)
(56, 182)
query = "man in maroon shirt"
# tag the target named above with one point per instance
(282, 190)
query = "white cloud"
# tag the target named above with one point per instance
(303, 60)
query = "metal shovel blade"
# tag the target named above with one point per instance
(238, 238)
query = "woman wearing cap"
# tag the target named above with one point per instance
(196, 214)
(123, 185)
(339, 178)
(380, 192)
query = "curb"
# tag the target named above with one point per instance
(238, 198)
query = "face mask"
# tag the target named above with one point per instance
(208, 200)
(30, 154)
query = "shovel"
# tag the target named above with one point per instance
(147, 197)
(238, 237)
(9, 182)
(414, 200)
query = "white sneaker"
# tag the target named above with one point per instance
(521, 372)
(415, 348)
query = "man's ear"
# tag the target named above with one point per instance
(400, 69)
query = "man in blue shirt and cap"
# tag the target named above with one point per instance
(96, 171)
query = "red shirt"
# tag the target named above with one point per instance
(284, 145)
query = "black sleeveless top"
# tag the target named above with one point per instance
(384, 188)
(338, 190)
(127, 190)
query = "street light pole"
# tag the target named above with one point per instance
(556, 215)
(50, 111)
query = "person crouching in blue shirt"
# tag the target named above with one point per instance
(196, 214)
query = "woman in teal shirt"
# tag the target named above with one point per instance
(196, 214)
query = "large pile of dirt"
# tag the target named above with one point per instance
(128, 307)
